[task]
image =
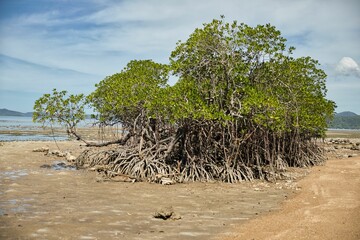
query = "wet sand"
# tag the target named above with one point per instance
(44, 203)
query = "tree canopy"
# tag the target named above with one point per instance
(120, 98)
(58, 108)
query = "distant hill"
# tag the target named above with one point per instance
(345, 120)
(7, 112)
(28, 114)
(346, 114)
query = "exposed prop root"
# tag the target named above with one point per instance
(202, 151)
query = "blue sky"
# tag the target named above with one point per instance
(73, 44)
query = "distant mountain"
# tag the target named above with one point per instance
(7, 112)
(345, 120)
(347, 114)
(28, 114)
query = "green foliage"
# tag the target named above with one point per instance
(183, 101)
(58, 108)
(246, 71)
(120, 98)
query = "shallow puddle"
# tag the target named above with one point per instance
(58, 166)
(15, 206)
(13, 174)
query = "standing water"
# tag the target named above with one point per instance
(14, 128)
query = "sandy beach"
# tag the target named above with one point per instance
(48, 203)
(327, 207)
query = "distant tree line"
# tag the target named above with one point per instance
(342, 121)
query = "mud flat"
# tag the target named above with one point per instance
(41, 199)
(343, 133)
(48, 203)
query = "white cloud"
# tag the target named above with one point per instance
(145, 27)
(348, 67)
